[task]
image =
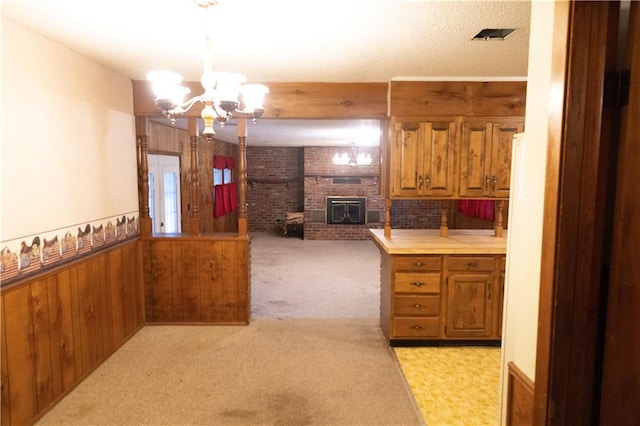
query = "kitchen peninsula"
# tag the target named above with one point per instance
(435, 288)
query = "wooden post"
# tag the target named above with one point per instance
(444, 227)
(498, 225)
(194, 189)
(387, 217)
(242, 176)
(142, 141)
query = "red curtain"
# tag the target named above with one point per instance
(219, 162)
(218, 205)
(481, 209)
(224, 195)
(222, 162)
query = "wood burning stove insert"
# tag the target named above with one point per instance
(346, 210)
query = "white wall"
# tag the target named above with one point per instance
(68, 138)
(524, 239)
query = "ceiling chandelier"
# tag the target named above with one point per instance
(225, 94)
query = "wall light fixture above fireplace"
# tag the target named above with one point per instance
(352, 158)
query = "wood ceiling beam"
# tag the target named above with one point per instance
(292, 100)
(451, 98)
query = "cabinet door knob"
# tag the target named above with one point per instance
(487, 180)
(417, 283)
(494, 181)
(420, 182)
(418, 264)
(417, 306)
(416, 327)
(428, 182)
(472, 264)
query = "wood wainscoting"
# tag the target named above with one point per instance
(197, 279)
(57, 327)
(519, 398)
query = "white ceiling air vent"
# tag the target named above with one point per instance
(493, 34)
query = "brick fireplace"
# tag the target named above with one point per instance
(346, 210)
(283, 180)
(324, 182)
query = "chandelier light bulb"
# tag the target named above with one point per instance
(208, 80)
(168, 88)
(253, 97)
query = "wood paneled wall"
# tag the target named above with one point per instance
(169, 140)
(197, 280)
(519, 398)
(59, 326)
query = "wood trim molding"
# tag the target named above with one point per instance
(567, 367)
(520, 390)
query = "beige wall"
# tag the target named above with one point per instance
(68, 138)
(524, 241)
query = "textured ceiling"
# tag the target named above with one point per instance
(290, 40)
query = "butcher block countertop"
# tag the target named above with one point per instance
(429, 241)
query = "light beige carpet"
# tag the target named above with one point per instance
(294, 278)
(272, 372)
(313, 353)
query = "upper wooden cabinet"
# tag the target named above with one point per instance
(423, 159)
(452, 157)
(485, 157)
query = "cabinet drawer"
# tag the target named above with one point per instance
(416, 305)
(469, 263)
(417, 263)
(416, 327)
(416, 282)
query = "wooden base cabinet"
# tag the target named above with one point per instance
(442, 297)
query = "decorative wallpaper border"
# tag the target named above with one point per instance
(35, 253)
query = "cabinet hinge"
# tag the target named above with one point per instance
(616, 88)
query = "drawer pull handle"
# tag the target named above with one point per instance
(472, 264)
(417, 306)
(418, 264)
(416, 327)
(417, 283)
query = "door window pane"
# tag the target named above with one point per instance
(152, 205)
(171, 202)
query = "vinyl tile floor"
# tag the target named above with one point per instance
(453, 386)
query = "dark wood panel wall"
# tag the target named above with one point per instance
(59, 326)
(197, 280)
